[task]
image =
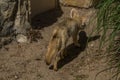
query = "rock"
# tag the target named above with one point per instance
(7, 9)
(21, 38)
(79, 3)
(22, 18)
(14, 17)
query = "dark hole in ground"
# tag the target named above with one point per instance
(46, 19)
(73, 51)
(43, 20)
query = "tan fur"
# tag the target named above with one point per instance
(69, 27)
(52, 48)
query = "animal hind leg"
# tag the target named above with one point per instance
(60, 53)
(55, 64)
(63, 47)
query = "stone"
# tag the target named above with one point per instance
(7, 8)
(21, 38)
(79, 3)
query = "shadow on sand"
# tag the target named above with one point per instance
(73, 51)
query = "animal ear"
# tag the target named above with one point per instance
(73, 12)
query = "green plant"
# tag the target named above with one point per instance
(109, 22)
(108, 19)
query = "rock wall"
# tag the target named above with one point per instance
(7, 16)
(79, 3)
(14, 16)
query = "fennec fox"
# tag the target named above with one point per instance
(69, 27)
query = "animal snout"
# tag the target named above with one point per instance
(83, 26)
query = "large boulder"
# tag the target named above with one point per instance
(79, 3)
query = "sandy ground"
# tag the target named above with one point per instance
(26, 61)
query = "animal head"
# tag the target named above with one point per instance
(75, 15)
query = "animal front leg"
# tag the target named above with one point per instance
(75, 41)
